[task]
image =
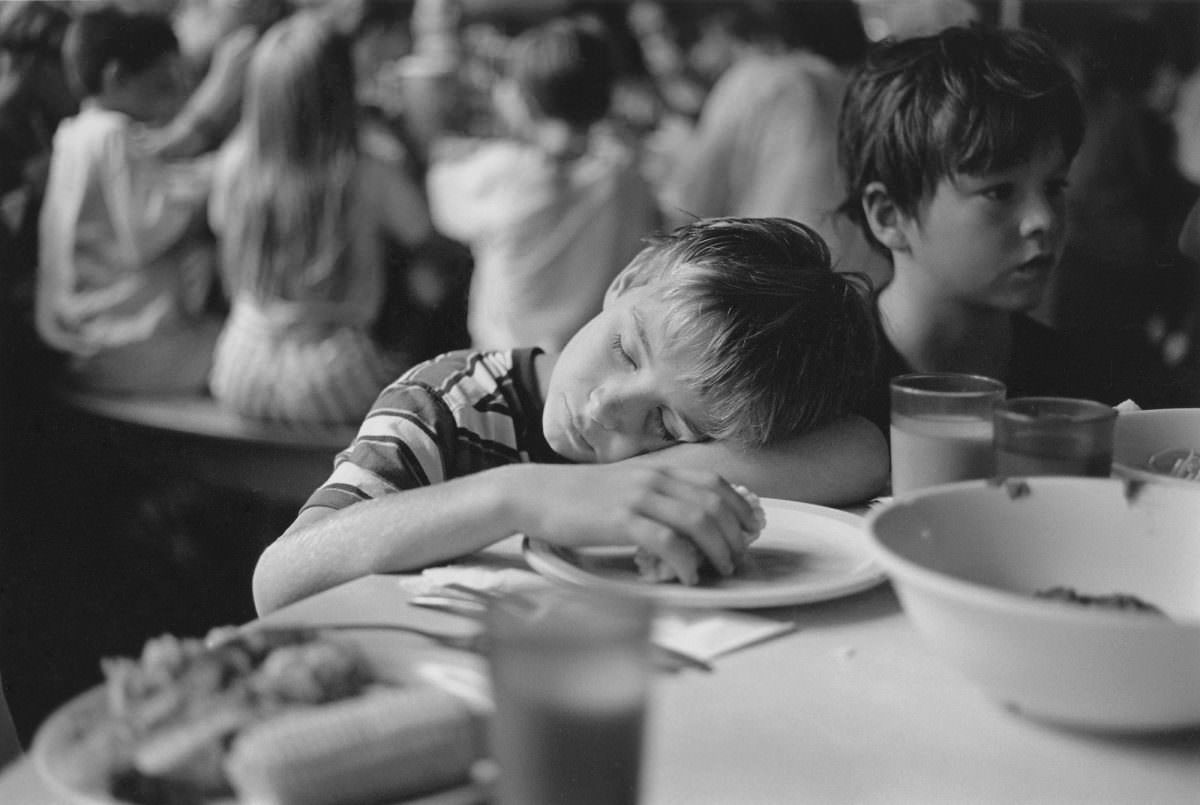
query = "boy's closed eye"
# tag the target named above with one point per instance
(663, 422)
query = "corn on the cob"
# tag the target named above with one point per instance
(390, 744)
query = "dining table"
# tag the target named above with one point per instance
(846, 705)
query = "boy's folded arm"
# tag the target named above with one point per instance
(414, 528)
(839, 464)
(680, 515)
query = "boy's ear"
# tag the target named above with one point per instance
(884, 217)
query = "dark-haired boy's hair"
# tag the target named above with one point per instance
(107, 35)
(566, 69)
(967, 100)
(785, 343)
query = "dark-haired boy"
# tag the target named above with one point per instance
(955, 149)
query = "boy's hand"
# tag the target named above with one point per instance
(682, 516)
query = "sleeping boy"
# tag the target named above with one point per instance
(727, 352)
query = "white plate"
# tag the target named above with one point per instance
(72, 759)
(805, 554)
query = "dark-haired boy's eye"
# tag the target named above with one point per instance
(1057, 187)
(998, 192)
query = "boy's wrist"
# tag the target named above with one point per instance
(511, 502)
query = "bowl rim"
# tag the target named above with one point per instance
(1148, 412)
(1137, 472)
(905, 571)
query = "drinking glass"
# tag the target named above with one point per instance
(941, 428)
(1054, 436)
(570, 678)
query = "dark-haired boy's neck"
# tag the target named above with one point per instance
(937, 334)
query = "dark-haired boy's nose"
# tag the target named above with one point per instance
(1041, 217)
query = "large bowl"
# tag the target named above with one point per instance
(1142, 434)
(967, 558)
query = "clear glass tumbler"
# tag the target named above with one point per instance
(941, 428)
(570, 678)
(1054, 436)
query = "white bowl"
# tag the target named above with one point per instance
(966, 559)
(1141, 434)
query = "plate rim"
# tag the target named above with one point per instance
(545, 559)
(52, 734)
(51, 739)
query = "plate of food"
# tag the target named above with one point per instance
(805, 554)
(269, 715)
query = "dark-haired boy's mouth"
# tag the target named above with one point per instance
(1037, 265)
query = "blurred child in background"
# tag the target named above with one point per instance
(222, 35)
(554, 211)
(766, 140)
(126, 263)
(34, 98)
(302, 215)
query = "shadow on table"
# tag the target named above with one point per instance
(877, 602)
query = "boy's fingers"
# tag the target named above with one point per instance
(742, 504)
(681, 555)
(701, 517)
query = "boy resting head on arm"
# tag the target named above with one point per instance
(728, 352)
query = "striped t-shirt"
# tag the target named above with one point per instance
(454, 415)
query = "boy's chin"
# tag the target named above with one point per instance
(561, 444)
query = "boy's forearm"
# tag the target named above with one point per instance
(837, 465)
(403, 531)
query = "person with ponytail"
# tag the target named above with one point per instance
(303, 216)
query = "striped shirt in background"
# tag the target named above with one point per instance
(454, 415)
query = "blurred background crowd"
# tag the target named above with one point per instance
(499, 172)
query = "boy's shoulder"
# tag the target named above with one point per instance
(488, 394)
(463, 374)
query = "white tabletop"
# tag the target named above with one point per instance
(850, 707)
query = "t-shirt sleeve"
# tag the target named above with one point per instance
(405, 441)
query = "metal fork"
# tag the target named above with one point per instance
(475, 642)
(472, 602)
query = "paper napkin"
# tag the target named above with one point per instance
(702, 633)
(708, 634)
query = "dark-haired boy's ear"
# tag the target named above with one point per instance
(884, 217)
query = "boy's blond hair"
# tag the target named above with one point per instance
(786, 344)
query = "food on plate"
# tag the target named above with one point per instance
(257, 713)
(1115, 601)
(1178, 462)
(652, 568)
(403, 742)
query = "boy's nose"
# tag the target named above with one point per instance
(609, 407)
(1042, 216)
